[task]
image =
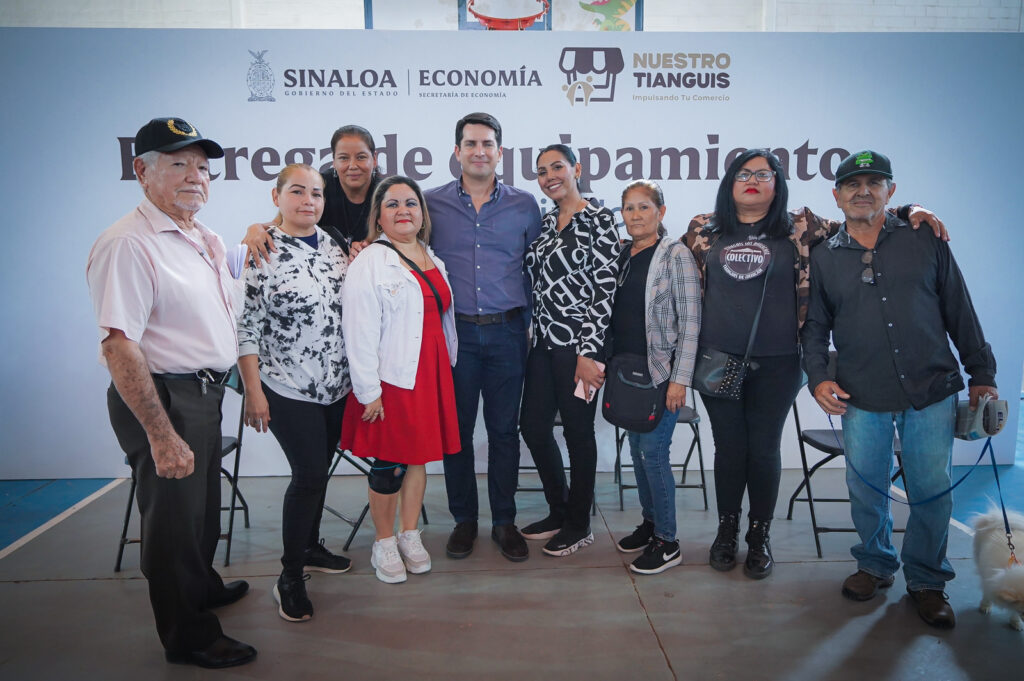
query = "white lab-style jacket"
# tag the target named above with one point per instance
(383, 321)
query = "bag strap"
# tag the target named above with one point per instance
(417, 270)
(757, 315)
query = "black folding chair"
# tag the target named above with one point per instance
(229, 444)
(831, 444)
(688, 416)
(363, 467)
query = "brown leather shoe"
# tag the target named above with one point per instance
(933, 607)
(861, 586)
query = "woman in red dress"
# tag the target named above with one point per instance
(399, 327)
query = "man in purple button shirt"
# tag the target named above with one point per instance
(481, 229)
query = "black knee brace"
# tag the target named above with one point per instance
(386, 477)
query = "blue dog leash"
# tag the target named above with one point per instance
(987, 447)
(995, 472)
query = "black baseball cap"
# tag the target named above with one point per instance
(864, 163)
(171, 134)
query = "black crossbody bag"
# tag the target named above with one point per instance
(417, 270)
(721, 374)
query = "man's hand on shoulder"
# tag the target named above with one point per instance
(259, 242)
(830, 397)
(919, 216)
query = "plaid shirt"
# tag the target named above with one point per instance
(672, 312)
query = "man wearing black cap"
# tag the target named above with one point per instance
(163, 301)
(892, 297)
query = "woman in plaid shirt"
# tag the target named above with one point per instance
(656, 314)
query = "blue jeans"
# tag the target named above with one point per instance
(927, 439)
(491, 362)
(654, 481)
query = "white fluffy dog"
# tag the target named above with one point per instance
(1002, 583)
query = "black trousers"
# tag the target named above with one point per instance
(180, 517)
(308, 433)
(748, 433)
(549, 391)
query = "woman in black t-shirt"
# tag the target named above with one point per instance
(348, 185)
(750, 237)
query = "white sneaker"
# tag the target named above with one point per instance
(417, 560)
(385, 559)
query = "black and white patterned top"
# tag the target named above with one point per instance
(573, 276)
(292, 319)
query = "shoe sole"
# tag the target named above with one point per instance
(624, 550)
(387, 579)
(571, 549)
(509, 556)
(860, 598)
(457, 555)
(329, 571)
(414, 570)
(283, 614)
(183, 658)
(722, 567)
(541, 535)
(757, 575)
(670, 564)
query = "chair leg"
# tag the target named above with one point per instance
(355, 527)
(700, 462)
(619, 439)
(423, 512)
(124, 528)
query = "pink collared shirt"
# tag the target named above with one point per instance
(169, 293)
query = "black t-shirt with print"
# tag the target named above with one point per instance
(736, 267)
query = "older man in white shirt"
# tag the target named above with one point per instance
(162, 295)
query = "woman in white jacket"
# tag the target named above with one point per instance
(399, 326)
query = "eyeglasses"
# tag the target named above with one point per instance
(760, 175)
(868, 275)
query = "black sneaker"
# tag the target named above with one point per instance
(292, 602)
(659, 556)
(567, 542)
(320, 559)
(639, 540)
(542, 529)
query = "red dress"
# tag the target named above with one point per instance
(421, 424)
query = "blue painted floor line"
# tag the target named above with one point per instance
(27, 504)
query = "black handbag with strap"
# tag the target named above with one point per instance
(631, 400)
(417, 270)
(721, 374)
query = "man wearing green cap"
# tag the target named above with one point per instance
(891, 298)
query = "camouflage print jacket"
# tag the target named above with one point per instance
(808, 231)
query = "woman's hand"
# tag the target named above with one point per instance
(257, 410)
(257, 240)
(676, 396)
(588, 372)
(373, 411)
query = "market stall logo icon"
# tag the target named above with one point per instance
(590, 73)
(260, 78)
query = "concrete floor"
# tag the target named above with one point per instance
(67, 615)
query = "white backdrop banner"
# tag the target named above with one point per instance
(669, 106)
